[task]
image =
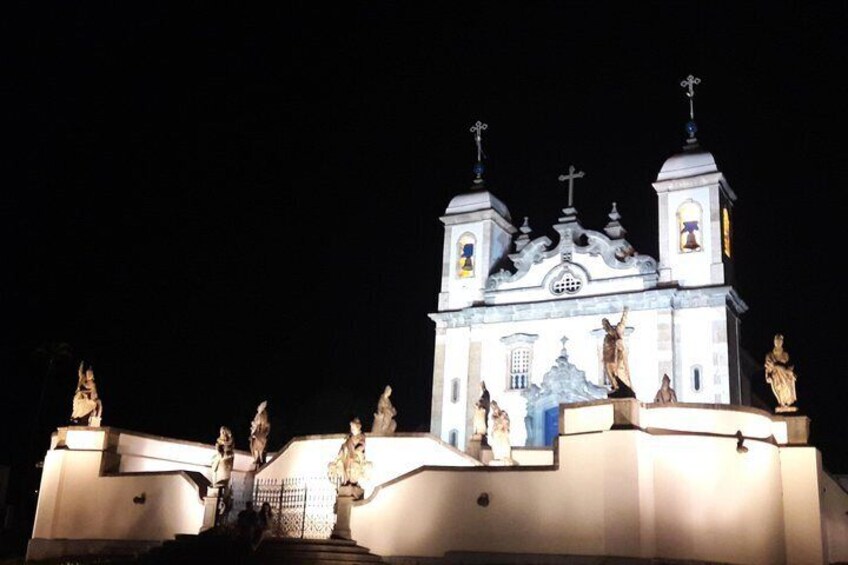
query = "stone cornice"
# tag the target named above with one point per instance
(696, 181)
(476, 216)
(600, 305)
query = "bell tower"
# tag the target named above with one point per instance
(695, 211)
(478, 234)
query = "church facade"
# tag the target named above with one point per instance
(508, 300)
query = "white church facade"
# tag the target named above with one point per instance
(508, 299)
(592, 476)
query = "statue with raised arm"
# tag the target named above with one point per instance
(222, 461)
(260, 427)
(781, 376)
(666, 394)
(350, 466)
(616, 368)
(481, 412)
(384, 417)
(87, 407)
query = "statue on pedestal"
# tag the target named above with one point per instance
(666, 394)
(87, 407)
(481, 413)
(384, 417)
(260, 427)
(350, 465)
(499, 438)
(222, 461)
(781, 376)
(616, 368)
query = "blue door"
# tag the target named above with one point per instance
(551, 425)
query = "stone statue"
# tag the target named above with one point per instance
(260, 427)
(481, 412)
(384, 417)
(616, 369)
(666, 394)
(222, 461)
(499, 438)
(781, 376)
(87, 408)
(350, 465)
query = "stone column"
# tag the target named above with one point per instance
(475, 354)
(344, 501)
(438, 399)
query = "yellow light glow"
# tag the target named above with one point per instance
(689, 226)
(465, 254)
(725, 231)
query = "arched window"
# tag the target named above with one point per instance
(465, 262)
(697, 374)
(453, 438)
(689, 224)
(454, 391)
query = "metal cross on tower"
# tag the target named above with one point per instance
(478, 129)
(689, 84)
(570, 178)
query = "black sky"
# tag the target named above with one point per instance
(219, 208)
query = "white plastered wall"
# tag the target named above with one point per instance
(111, 484)
(700, 340)
(390, 457)
(696, 268)
(630, 493)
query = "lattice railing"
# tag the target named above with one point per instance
(303, 507)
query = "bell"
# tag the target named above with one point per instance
(689, 228)
(467, 265)
(691, 242)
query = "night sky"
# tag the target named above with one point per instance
(215, 209)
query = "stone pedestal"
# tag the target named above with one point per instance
(797, 429)
(475, 445)
(210, 508)
(344, 501)
(625, 413)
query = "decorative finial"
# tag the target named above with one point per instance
(689, 84)
(614, 215)
(614, 229)
(478, 129)
(570, 178)
(522, 240)
(564, 340)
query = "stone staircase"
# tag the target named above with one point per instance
(312, 551)
(211, 549)
(204, 549)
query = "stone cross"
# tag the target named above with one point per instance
(478, 129)
(570, 178)
(689, 84)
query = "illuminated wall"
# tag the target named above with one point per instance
(109, 484)
(663, 483)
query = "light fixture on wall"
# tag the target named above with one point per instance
(740, 440)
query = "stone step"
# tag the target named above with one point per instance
(323, 545)
(308, 541)
(315, 557)
(292, 550)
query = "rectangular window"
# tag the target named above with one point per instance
(519, 368)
